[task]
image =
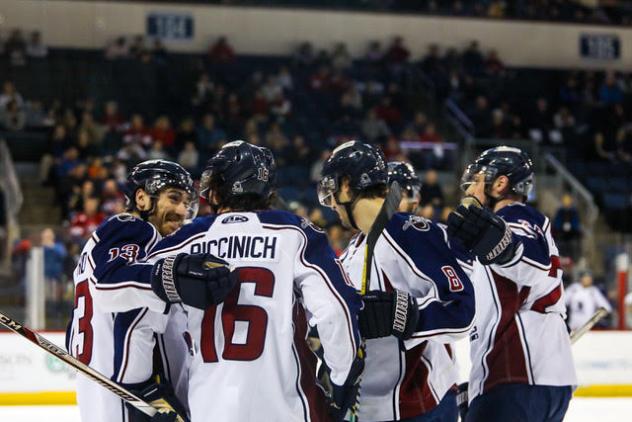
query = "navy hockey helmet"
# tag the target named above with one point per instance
(404, 174)
(363, 164)
(155, 175)
(240, 168)
(502, 161)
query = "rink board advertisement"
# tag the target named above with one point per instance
(28, 375)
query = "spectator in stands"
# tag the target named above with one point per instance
(209, 136)
(9, 93)
(93, 129)
(35, 47)
(397, 53)
(137, 48)
(302, 154)
(15, 48)
(221, 52)
(374, 53)
(137, 133)
(117, 49)
(431, 192)
(610, 92)
(189, 157)
(54, 255)
(567, 229)
(112, 120)
(430, 134)
(582, 301)
(36, 116)
(304, 54)
(624, 142)
(163, 133)
(473, 62)
(337, 238)
(375, 129)
(493, 65)
(84, 223)
(12, 118)
(388, 112)
(541, 128)
(340, 57)
(204, 89)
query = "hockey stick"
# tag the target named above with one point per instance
(597, 316)
(389, 207)
(96, 376)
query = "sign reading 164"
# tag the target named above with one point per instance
(170, 26)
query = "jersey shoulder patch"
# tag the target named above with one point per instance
(521, 214)
(125, 226)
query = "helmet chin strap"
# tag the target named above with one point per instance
(349, 209)
(144, 215)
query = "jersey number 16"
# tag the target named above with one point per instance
(255, 316)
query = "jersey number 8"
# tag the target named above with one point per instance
(255, 316)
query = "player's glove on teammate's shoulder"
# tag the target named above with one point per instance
(198, 280)
(483, 232)
(162, 397)
(388, 313)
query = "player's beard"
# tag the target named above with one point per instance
(170, 223)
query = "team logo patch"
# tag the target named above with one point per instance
(233, 219)
(417, 223)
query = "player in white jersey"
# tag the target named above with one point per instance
(583, 299)
(419, 298)
(522, 366)
(116, 312)
(251, 361)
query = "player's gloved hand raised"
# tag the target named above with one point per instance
(386, 314)
(198, 280)
(483, 233)
(161, 397)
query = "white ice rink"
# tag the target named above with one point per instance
(582, 410)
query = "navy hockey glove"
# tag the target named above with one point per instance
(385, 314)
(346, 398)
(198, 280)
(482, 232)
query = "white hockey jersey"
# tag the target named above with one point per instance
(412, 255)
(582, 303)
(116, 314)
(251, 361)
(520, 335)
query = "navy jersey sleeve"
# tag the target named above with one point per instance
(186, 235)
(447, 309)
(118, 281)
(529, 227)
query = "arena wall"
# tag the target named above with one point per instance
(28, 375)
(256, 30)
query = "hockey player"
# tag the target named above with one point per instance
(116, 312)
(250, 358)
(404, 174)
(419, 297)
(522, 366)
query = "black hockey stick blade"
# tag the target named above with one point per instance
(60, 353)
(389, 207)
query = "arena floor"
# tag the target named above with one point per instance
(582, 410)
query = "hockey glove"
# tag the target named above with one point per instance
(198, 280)
(483, 233)
(162, 398)
(386, 314)
(346, 398)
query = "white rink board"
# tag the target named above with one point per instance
(24, 367)
(601, 358)
(580, 410)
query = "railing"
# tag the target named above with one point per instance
(562, 179)
(13, 199)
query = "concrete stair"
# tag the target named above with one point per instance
(40, 207)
